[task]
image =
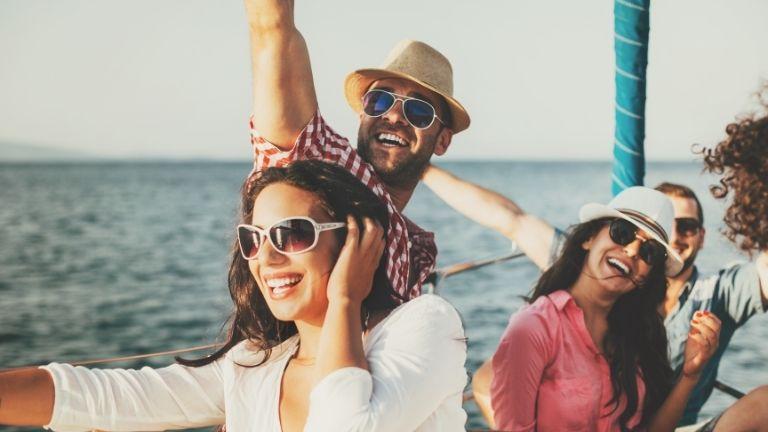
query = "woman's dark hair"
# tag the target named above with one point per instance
(742, 161)
(340, 194)
(636, 340)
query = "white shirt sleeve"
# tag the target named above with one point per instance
(129, 400)
(416, 363)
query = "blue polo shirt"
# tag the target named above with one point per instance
(732, 294)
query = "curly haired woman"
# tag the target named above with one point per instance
(741, 161)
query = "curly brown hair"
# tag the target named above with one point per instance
(741, 160)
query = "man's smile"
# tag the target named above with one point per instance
(391, 140)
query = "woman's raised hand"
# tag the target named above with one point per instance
(703, 339)
(352, 276)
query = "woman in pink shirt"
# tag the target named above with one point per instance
(590, 352)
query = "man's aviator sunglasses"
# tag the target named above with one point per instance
(623, 232)
(419, 113)
(288, 236)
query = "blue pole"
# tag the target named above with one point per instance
(631, 24)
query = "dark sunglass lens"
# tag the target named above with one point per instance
(622, 232)
(249, 242)
(652, 252)
(377, 102)
(687, 226)
(293, 235)
(419, 113)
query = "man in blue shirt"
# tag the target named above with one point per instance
(735, 293)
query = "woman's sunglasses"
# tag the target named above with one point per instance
(623, 232)
(289, 236)
(420, 114)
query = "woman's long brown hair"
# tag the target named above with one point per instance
(340, 194)
(636, 341)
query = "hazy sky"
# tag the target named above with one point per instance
(171, 78)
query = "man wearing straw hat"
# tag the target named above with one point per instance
(407, 114)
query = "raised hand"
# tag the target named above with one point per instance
(352, 276)
(284, 97)
(703, 339)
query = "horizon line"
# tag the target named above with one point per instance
(176, 159)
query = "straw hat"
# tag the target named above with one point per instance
(417, 62)
(646, 208)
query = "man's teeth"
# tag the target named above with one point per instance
(278, 283)
(619, 265)
(388, 138)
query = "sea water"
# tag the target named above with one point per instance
(111, 259)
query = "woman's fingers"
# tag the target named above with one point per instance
(353, 233)
(708, 325)
(370, 228)
(706, 335)
(706, 338)
(358, 260)
(364, 243)
(699, 339)
(713, 317)
(704, 329)
(373, 240)
(709, 319)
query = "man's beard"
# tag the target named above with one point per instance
(406, 173)
(688, 262)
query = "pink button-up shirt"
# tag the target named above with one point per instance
(548, 375)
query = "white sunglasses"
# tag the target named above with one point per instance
(289, 236)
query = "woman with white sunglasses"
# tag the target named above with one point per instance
(317, 340)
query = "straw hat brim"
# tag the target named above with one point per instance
(594, 211)
(359, 81)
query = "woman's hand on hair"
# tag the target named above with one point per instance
(350, 282)
(703, 339)
(352, 275)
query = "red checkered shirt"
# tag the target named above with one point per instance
(411, 251)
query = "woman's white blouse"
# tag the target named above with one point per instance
(416, 358)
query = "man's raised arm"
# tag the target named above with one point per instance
(531, 234)
(283, 91)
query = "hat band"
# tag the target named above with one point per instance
(650, 223)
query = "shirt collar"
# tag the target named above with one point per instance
(563, 299)
(560, 298)
(688, 286)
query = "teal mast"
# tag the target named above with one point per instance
(631, 24)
